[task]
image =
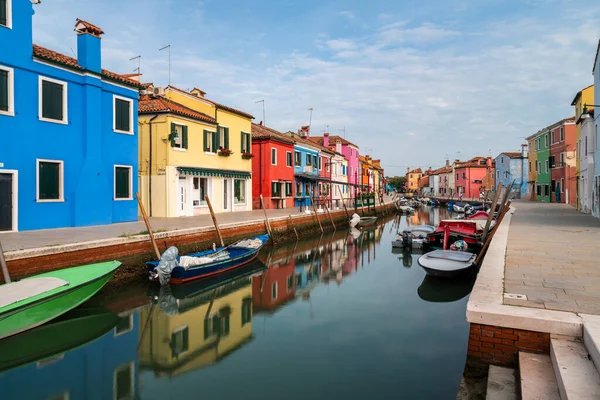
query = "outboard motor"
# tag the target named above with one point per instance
(406, 240)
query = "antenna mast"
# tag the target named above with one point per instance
(168, 47)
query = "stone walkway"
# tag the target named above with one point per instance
(553, 257)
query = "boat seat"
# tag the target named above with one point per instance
(14, 292)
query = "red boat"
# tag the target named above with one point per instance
(470, 230)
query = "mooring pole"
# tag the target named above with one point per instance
(492, 210)
(147, 222)
(267, 223)
(328, 213)
(5, 273)
(312, 200)
(214, 218)
(294, 227)
(343, 202)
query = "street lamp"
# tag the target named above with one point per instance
(585, 113)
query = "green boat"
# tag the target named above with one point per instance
(65, 333)
(34, 301)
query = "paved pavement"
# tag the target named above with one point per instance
(553, 257)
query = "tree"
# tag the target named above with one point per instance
(397, 182)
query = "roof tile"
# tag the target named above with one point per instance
(162, 105)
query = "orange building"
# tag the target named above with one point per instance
(412, 179)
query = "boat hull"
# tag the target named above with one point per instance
(447, 264)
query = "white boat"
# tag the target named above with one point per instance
(447, 263)
(414, 236)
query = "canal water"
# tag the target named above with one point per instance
(341, 316)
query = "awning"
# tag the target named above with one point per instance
(307, 176)
(221, 173)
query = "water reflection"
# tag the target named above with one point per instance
(439, 290)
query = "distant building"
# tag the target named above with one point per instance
(512, 168)
(584, 150)
(562, 162)
(595, 200)
(532, 167)
(470, 176)
(412, 179)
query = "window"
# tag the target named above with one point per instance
(562, 133)
(6, 13)
(464, 175)
(553, 185)
(538, 166)
(52, 100)
(546, 165)
(290, 282)
(537, 144)
(497, 174)
(274, 291)
(546, 142)
(308, 159)
(246, 311)
(124, 382)
(350, 152)
(562, 185)
(179, 136)
(457, 176)
(288, 158)
(246, 145)
(585, 147)
(307, 191)
(297, 157)
(124, 325)
(239, 191)
(529, 165)
(122, 182)
(223, 137)
(552, 139)
(6, 89)
(552, 162)
(502, 160)
(122, 115)
(273, 156)
(328, 166)
(288, 189)
(538, 190)
(200, 191)
(275, 189)
(211, 141)
(179, 342)
(562, 159)
(50, 180)
(320, 159)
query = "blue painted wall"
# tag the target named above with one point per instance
(512, 169)
(85, 373)
(87, 144)
(299, 169)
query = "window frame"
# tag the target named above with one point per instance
(273, 155)
(65, 100)
(243, 185)
(130, 167)
(8, 15)
(131, 367)
(546, 165)
(11, 90)
(289, 157)
(130, 101)
(61, 181)
(562, 134)
(274, 286)
(209, 137)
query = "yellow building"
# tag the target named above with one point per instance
(412, 179)
(584, 96)
(190, 147)
(532, 174)
(196, 333)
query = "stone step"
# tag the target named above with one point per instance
(575, 372)
(501, 384)
(591, 337)
(538, 381)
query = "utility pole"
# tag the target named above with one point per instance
(263, 108)
(168, 47)
(310, 119)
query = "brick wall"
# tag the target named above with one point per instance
(496, 345)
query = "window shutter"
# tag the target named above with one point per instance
(173, 143)
(184, 139)
(3, 84)
(205, 140)
(226, 145)
(3, 12)
(248, 143)
(122, 183)
(216, 141)
(243, 143)
(49, 176)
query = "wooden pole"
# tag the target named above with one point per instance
(343, 202)
(5, 273)
(330, 218)
(491, 236)
(491, 214)
(212, 301)
(505, 198)
(214, 218)
(294, 227)
(147, 222)
(316, 214)
(267, 223)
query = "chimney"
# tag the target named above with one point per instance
(89, 47)
(447, 163)
(524, 151)
(326, 139)
(304, 131)
(489, 162)
(338, 146)
(198, 93)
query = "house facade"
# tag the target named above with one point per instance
(542, 148)
(583, 97)
(532, 167)
(562, 162)
(79, 165)
(306, 171)
(470, 176)
(444, 174)
(192, 147)
(350, 151)
(595, 206)
(412, 179)
(273, 166)
(512, 168)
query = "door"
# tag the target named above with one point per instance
(225, 194)
(182, 197)
(6, 199)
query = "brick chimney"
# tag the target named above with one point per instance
(524, 150)
(489, 161)
(447, 163)
(326, 139)
(338, 146)
(89, 47)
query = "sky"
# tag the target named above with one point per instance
(412, 82)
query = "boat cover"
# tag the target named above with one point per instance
(248, 244)
(17, 291)
(479, 223)
(168, 261)
(446, 260)
(451, 255)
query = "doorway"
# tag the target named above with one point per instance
(226, 191)
(6, 202)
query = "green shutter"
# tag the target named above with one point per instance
(215, 141)
(3, 87)
(243, 136)
(122, 113)
(248, 143)
(49, 181)
(226, 144)
(3, 12)
(52, 100)
(206, 148)
(122, 183)
(184, 139)
(173, 130)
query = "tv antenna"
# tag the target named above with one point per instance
(163, 48)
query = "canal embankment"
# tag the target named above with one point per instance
(534, 296)
(33, 252)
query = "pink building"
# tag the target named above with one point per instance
(443, 180)
(350, 152)
(470, 176)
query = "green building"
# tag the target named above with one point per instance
(542, 148)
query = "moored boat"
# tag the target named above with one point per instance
(34, 301)
(446, 263)
(413, 237)
(175, 269)
(469, 230)
(367, 221)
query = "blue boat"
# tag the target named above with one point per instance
(223, 259)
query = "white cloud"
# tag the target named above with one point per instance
(340, 44)
(347, 14)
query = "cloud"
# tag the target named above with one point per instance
(340, 44)
(347, 14)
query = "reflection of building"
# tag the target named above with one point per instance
(198, 332)
(275, 286)
(106, 368)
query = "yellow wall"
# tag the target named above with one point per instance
(532, 159)
(586, 97)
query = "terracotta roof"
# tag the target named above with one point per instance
(443, 170)
(474, 162)
(554, 125)
(217, 105)
(416, 171)
(512, 154)
(264, 132)
(332, 140)
(58, 58)
(88, 28)
(307, 142)
(162, 105)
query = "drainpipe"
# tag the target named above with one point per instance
(150, 167)
(260, 151)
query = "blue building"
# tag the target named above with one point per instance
(513, 167)
(69, 150)
(306, 171)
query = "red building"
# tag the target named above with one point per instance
(272, 167)
(470, 176)
(563, 137)
(274, 287)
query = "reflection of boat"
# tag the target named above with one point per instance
(437, 290)
(67, 332)
(446, 263)
(367, 221)
(34, 301)
(177, 270)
